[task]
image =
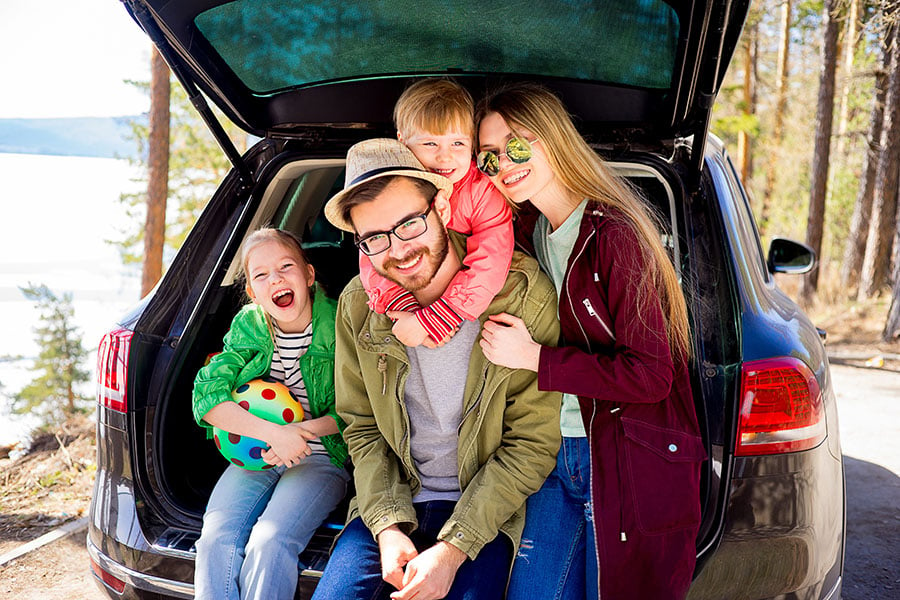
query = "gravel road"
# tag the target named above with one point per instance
(869, 413)
(869, 408)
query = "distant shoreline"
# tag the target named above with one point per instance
(92, 137)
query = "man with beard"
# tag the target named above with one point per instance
(446, 446)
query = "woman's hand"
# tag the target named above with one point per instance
(506, 342)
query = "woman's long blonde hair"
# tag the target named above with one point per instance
(582, 172)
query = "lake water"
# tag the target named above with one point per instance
(57, 214)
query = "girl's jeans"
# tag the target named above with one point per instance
(557, 558)
(258, 522)
(354, 569)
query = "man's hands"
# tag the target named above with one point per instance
(396, 551)
(425, 576)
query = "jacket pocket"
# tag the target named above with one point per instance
(664, 476)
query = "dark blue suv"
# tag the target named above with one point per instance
(310, 78)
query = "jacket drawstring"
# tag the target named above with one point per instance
(382, 368)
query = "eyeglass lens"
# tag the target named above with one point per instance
(408, 230)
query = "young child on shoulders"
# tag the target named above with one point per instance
(435, 120)
(257, 522)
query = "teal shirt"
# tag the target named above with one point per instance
(553, 249)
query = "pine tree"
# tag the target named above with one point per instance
(52, 394)
(197, 166)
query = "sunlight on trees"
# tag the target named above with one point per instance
(59, 369)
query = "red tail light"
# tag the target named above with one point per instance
(112, 369)
(781, 408)
(109, 579)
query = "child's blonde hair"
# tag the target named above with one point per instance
(269, 234)
(435, 106)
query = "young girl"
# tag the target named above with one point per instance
(434, 119)
(625, 490)
(257, 522)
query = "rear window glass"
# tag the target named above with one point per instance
(276, 44)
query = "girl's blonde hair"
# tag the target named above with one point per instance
(435, 106)
(269, 234)
(584, 174)
(264, 235)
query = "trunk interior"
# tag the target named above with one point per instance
(292, 198)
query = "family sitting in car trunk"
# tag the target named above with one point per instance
(516, 423)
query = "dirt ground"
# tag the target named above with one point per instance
(51, 485)
(47, 487)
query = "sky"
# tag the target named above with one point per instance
(63, 58)
(70, 58)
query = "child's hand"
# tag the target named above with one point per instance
(430, 343)
(407, 328)
(288, 444)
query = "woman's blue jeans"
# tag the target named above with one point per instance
(557, 558)
(257, 523)
(354, 568)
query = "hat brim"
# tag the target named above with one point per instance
(332, 207)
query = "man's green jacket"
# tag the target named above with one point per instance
(508, 437)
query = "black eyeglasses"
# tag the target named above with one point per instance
(518, 150)
(405, 231)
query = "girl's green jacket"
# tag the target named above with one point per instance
(247, 355)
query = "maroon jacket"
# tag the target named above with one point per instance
(637, 407)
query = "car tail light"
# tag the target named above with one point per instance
(112, 369)
(109, 579)
(781, 408)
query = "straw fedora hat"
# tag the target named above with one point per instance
(376, 158)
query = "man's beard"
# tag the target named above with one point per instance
(434, 257)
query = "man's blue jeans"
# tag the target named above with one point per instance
(354, 568)
(557, 558)
(257, 523)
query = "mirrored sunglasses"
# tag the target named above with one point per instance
(518, 150)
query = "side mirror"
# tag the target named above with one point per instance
(788, 256)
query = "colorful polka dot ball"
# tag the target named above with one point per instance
(267, 399)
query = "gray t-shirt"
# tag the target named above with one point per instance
(434, 401)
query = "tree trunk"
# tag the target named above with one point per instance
(850, 44)
(745, 152)
(815, 224)
(862, 209)
(876, 268)
(780, 108)
(158, 173)
(892, 326)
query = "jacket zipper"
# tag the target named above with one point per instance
(616, 425)
(477, 402)
(569, 291)
(593, 313)
(590, 494)
(590, 308)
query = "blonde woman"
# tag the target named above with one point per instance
(624, 495)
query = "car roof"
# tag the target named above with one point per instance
(285, 67)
